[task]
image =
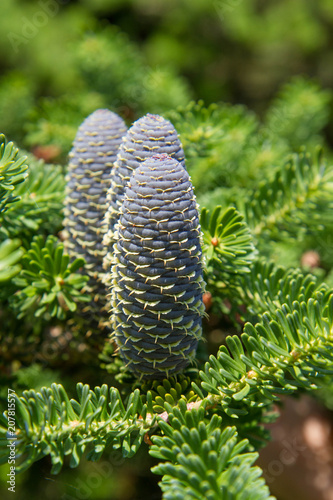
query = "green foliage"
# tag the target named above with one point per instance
(48, 284)
(142, 88)
(35, 376)
(52, 424)
(287, 350)
(299, 113)
(296, 201)
(270, 42)
(110, 52)
(55, 121)
(202, 460)
(227, 241)
(229, 253)
(223, 144)
(168, 392)
(268, 287)
(274, 40)
(112, 73)
(12, 172)
(276, 204)
(164, 89)
(10, 254)
(227, 146)
(16, 101)
(40, 201)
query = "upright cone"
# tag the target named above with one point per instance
(148, 136)
(157, 281)
(94, 151)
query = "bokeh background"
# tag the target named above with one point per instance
(61, 60)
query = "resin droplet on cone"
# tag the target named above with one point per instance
(157, 281)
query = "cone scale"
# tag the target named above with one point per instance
(157, 281)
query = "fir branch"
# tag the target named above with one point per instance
(227, 241)
(281, 354)
(168, 392)
(286, 351)
(48, 284)
(51, 424)
(12, 172)
(48, 423)
(202, 460)
(267, 287)
(224, 145)
(298, 199)
(229, 252)
(40, 204)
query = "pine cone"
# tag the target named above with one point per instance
(157, 281)
(148, 136)
(91, 160)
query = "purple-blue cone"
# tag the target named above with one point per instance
(157, 277)
(148, 136)
(92, 157)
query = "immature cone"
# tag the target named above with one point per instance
(148, 136)
(91, 160)
(157, 281)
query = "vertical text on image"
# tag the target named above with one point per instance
(11, 437)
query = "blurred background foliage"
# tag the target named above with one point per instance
(245, 82)
(62, 59)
